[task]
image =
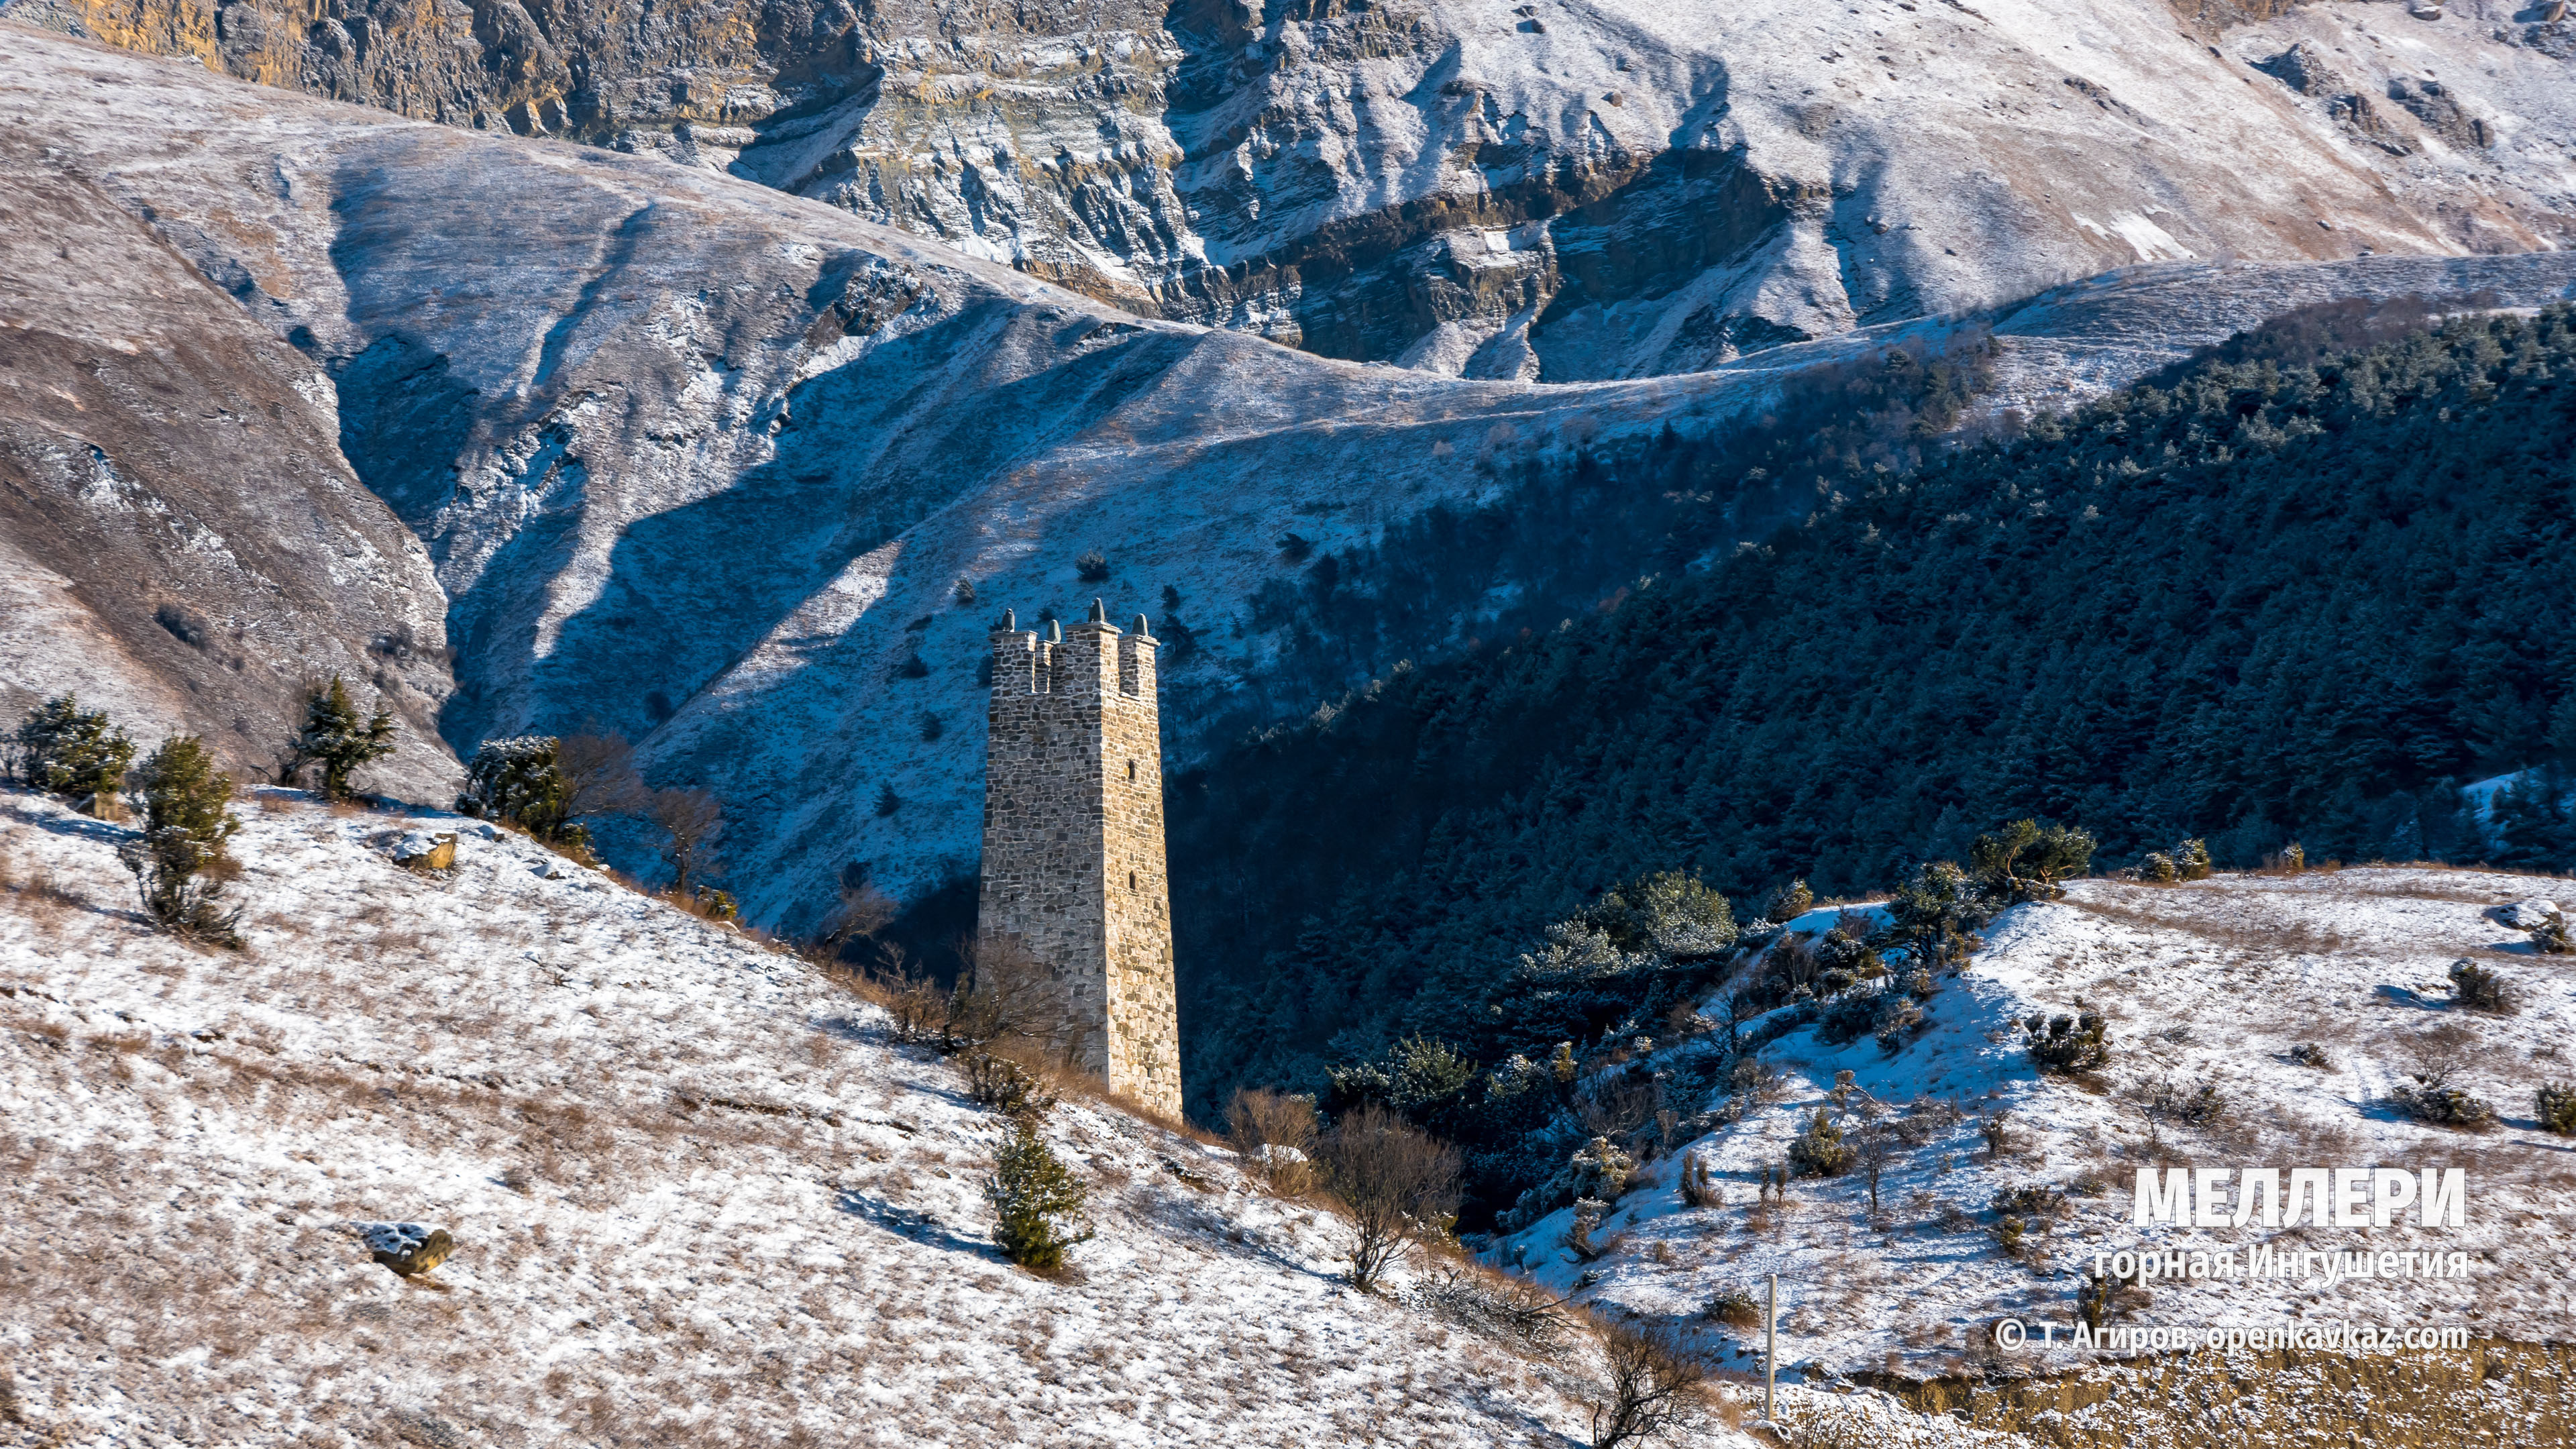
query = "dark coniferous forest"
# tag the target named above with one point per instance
(2302, 588)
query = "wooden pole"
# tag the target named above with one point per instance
(1771, 1350)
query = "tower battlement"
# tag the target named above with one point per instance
(1073, 838)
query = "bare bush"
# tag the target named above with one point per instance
(1005, 1085)
(599, 776)
(918, 1007)
(1500, 1305)
(1651, 1385)
(1871, 1157)
(2479, 989)
(1274, 1133)
(1006, 993)
(1398, 1184)
(860, 913)
(694, 822)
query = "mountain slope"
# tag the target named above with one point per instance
(699, 1199)
(180, 538)
(705, 463)
(1560, 190)
(2279, 596)
(2212, 983)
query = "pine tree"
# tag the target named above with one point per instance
(2024, 861)
(179, 861)
(1037, 1201)
(1820, 1150)
(335, 738)
(65, 750)
(182, 790)
(521, 781)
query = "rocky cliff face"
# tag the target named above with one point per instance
(296, 388)
(1556, 190)
(662, 450)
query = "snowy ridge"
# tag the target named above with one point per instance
(705, 463)
(2216, 982)
(697, 1199)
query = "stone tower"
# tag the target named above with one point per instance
(1073, 840)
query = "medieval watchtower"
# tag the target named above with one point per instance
(1073, 839)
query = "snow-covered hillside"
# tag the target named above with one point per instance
(707, 463)
(2215, 984)
(1560, 190)
(699, 1199)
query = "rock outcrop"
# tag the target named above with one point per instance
(409, 1249)
(1556, 191)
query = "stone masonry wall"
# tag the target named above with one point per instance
(1073, 841)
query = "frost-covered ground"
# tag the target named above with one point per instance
(699, 1198)
(2214, 982)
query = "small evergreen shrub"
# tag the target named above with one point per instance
(1579, 1239)
(2549, 938)
(1601, 1170)
(179, 862)
(2429, 1100)
(2554, 1104)
(2069, 1044)
(1901, 1022)
(1734, 1307)
(2009, 1231)
(2025, 861)
(519, 781)
(337, 739)
(2309, 1054)
(1788, 903)
(2191, 860)
(888, 801)
(1820, 1150)
(65, 750)
(1934, 916)
(1092, 567)
(2479, 989)
(1037, 1201)
(2158, 868)
(2034, 1200)
(2197, 1107)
